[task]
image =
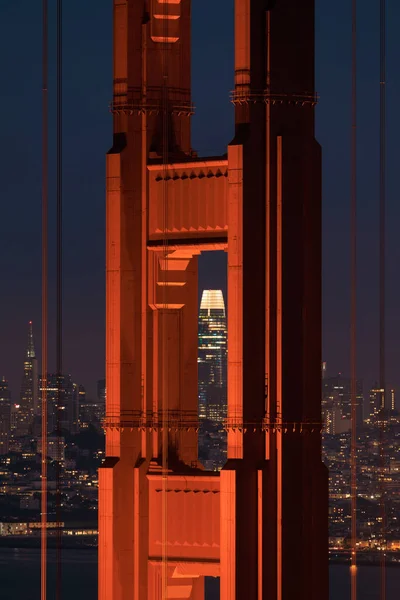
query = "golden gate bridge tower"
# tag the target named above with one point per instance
(261, 524)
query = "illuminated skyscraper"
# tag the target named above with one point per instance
(29, 388)
(375, 401)
(5, 416)
(74, 408)
(212, 378)
(392, 400)
(323, 369)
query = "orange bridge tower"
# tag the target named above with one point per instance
(164, 522)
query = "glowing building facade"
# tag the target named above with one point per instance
(212, 356)
(212, 363)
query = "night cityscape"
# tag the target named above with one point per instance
(82, 448)
(199, 382)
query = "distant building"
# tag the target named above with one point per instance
(15, 408)
(83, 424)
(101, 391)
(76, 396)
(323, 370)
(62, 402)
(373, 401)
(377, 398)
(91, 413)
(212, 356)
(336, 393)
(55, 447)
(392, 400)
(68, 416)
(334, 420)
(5, 416)
(28, 404)
(81, 397)
(212, 378)
(50, 388)
(29, 502)
(101, 398)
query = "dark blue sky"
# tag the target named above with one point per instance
(87, 136)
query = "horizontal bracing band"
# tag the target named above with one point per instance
(135, 101)
(174, 242)
(289, 427)
(244, 95)
(185, 491)
(128, 108)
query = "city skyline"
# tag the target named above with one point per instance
(67, 406)
(369, 383)
(93, 386)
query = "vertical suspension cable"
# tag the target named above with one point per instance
(165, 398)
(267, 227)
(382, 284)
(267, 298)
(353, 309)
(59, 299)
(144, 260)
(43, 557)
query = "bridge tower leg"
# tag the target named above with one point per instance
(274, 540)
(147, 81)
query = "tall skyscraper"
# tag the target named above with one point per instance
(50, 385)
(101, 390)
(5, 416)
(69, 400)
(392, 399)
(375, 401)
(212, 359)
(76, 397)
(83, 418)
(28, 405)
(323, 370)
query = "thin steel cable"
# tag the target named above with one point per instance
(144, 274)
(165, 399)
(268, 226)
(43, 583)
(59, 340)
(353, 308)
(382, 286)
